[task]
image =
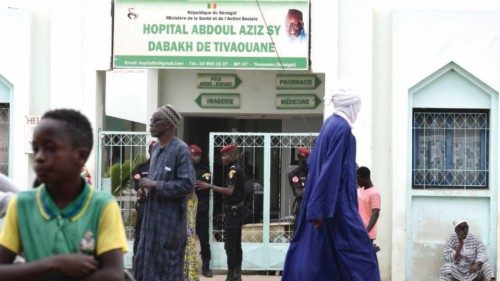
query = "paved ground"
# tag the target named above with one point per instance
(221, 276)
(244, 278)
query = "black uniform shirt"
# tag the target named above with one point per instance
(298, 177)
(202, 174)
(140, 172)
(236, 177)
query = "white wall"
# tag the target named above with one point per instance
(58, 51)
(361, 46)
(15, 35)
(420, 42)
(80, 38)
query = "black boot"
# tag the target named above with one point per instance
(205, 269)
(230, 275)
(237, 273)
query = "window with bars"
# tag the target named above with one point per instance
(450, 149)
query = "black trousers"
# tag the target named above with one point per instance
(233, 222)
(203, 235)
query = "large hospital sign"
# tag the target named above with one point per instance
(215, 35)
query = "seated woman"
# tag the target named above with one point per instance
(465, 256)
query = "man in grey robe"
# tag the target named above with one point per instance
(465, 256)
(160, 252)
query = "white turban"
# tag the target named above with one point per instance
(457, 222)
(346, 104)
(170, 114)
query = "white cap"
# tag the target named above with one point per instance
(457, 222)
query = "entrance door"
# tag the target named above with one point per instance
(266, 234)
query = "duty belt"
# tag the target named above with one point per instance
(233, 207)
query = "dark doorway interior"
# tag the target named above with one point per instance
(197, 130)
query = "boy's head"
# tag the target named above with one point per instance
(61, 144)
(363, 176)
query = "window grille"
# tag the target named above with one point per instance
(450, 149)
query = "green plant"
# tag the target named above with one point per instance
(120, 174)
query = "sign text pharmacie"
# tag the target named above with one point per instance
(297, 81)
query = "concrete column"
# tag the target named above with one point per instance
(66, 55)
(355, 67)
(152, 101)
(324, 44)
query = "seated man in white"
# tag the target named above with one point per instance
(465, 256)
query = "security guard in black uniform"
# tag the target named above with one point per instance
(234, 195)
(202, 174)
(298, 179)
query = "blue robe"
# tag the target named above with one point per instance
(160, 252)
(340, 249)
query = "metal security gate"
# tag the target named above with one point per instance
(267, 158)
(118, 154)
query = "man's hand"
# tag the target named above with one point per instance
(201, 185)
(74, 265)
(142, 194)
(475, 267)
(461, 236)
(317, 223)
(147, 183)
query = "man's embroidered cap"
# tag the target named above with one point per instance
(170, 114)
